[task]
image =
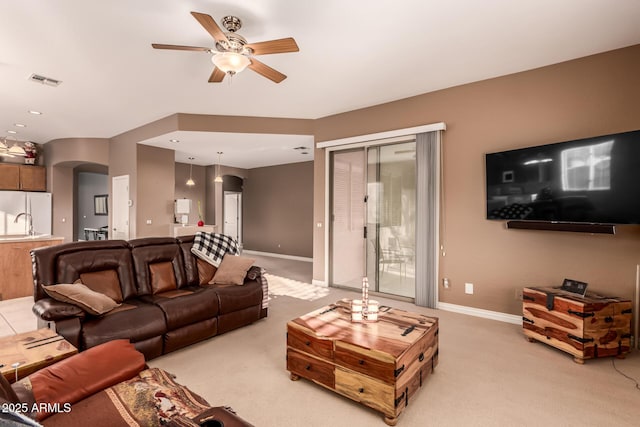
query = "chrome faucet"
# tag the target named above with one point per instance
(29, 219)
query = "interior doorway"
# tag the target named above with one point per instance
(120, 207)
(233, 215)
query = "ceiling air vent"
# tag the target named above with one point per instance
(44, 80)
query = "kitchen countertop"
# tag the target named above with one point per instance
(11, 238)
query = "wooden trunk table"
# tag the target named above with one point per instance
(380, 364)
(32, 350)
(586, 327)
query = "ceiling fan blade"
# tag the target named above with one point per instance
(178, 47)
(210, 25)
(274, 46)
(217, 75)
(266, 71)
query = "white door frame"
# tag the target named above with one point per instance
(353, 142)
(120, 204)
(238, 196)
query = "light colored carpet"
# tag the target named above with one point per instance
(488, 375)
(282, 286)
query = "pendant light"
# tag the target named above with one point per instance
(4, 150)
(190, 181)
(218, 176)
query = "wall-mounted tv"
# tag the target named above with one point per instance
(592, 180)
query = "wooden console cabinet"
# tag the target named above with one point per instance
(585, 327)
(381, 365)
(22, 177)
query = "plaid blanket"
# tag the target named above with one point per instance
(211, 247)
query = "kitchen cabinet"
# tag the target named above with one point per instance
(15, 264)
(23, 177)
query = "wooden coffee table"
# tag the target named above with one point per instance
(381, 364)
(32, 350)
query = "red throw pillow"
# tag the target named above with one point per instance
(86, 373)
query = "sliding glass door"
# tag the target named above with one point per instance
(347, 218)
(374, 217)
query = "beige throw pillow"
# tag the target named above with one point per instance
(232, 270)
(81, 296)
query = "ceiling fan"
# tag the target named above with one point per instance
(232, 53)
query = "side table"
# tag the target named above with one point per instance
(32, 351)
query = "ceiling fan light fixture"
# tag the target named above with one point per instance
(230, 62)
(4, 150)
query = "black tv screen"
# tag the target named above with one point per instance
(591, 180)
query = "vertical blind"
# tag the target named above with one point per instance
(427, 228)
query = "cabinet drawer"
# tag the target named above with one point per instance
(308, 344)
(366, 390)
(374, 364)
(310, 368)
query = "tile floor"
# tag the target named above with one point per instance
(16, 316)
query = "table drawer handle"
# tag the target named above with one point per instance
(307, 343)
(361, 390)
(361, 362)
(421, 357)
(308, 368)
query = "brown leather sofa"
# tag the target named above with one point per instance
(107, 385)
(163, 307)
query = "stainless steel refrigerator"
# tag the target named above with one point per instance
(12, 203)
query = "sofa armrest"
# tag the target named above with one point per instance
(254, 273)
(51, 310)
(86, 373)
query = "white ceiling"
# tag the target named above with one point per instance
(353, 54)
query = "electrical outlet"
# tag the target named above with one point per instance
(445, 283)
(468, 288)
(519, 294)
(149, 222)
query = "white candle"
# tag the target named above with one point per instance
(372, 310)
(356, 310)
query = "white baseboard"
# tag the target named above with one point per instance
(319, 283)
(292, 257)
(479, 312)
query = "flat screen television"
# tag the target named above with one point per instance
(592, 180)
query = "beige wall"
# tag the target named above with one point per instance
(195, 193)
(581, 98)
(278, 209)
(156, 186)
(61, 156)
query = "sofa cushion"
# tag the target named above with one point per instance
(206, 271)
(137, 324)
(163, 278)
(80, 295)
(232, 270)
(233, 298)
(104, 281)
(153, 250)
(179, 310)
(83, 374)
